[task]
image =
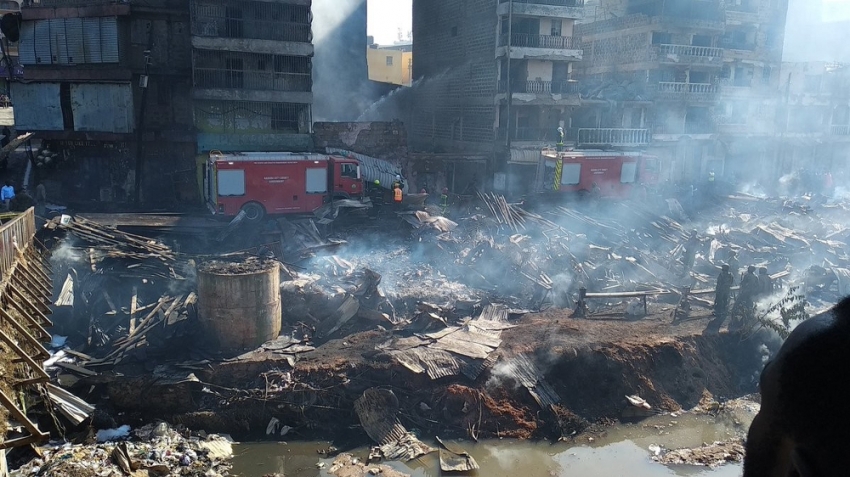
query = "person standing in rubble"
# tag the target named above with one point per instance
(765, 283)
(690, 252)
(444, 200)
(398, 196)
(376, 195)
(749, 290)
(734, 265)
(7, 193)
(722, 292)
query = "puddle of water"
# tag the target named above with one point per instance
(621, 450)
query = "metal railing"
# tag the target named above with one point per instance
(839, 130)
(19, 230)
(541, 87)
(252, 80)
(614, 136)
(66, 3)
(694, 91)
(556, 3)
(525, 40)
(523, 134)
(749, 7)
(251, 20)
(691, 52)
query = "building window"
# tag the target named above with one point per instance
(454, 31)
(389, 61)
(557, 27)
(765, 74)
(661, 38)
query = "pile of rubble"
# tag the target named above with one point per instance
(153, 450)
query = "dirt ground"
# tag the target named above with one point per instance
(591, 364)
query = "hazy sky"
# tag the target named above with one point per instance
(387, 16)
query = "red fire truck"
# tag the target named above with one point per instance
(604, 174)
(276, 183)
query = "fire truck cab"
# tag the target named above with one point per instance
(277, 183)
(603, 174)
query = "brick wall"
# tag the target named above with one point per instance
(384, 140)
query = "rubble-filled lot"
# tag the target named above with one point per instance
(467, 319)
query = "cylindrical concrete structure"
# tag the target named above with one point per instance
(239, 303)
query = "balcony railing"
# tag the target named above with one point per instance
(704, 54)
(613, 137)
(252, 80)
(542, 135)
(69, 3)
(556, 3)
(698, 88)
(839, 130)
(525, 40)
(745, 7)
(540, 87)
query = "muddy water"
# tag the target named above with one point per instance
(621, 450)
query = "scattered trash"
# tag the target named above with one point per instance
(112, 435)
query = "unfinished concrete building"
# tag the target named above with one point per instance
(252, 74)
(692, 82)
(495, 76)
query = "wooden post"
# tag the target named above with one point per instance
(41, 352)
(42, 376)
(581, 307)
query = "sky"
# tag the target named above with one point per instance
(387, 16)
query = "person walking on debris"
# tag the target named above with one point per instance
(689, 253)
(765, 283)
(722, 291)
(376, 195)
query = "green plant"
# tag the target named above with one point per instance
(791, 309)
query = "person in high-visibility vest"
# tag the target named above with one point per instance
(398, 196)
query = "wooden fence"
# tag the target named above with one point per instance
(15, 235)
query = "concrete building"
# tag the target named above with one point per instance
(9, 66)
(496, 77)
(252, 74)
(106, 84)
(391, 64)
(813, 123)
(693, 82)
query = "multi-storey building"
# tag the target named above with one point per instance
(692, 82)
(496, 75)
(151, 84)
(107, 85)
(813, 121)
(252, 74)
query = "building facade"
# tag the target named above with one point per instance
(107, 86)
(496, 76)
(390, 64)
(694, 83)
(252, 74)
(155, 84)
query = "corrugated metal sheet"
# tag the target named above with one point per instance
(109, 39)
(38, 107)
(42, 43)
(58, 43)
(91, 40)
(102, 107)
(373, 169)
(74, 52)
(26, 47)
(70, 41)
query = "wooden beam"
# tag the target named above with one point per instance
(41, 352)
(44, 319)
(37, 368)
(39, 286)
(36, 434)
(32, 321)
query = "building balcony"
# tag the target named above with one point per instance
(839, 130)
(613, 137)
(543, 8)
(535, 135)
(252, 80)
(561, 93)
(689, 55)
(252, 27)
(687, 91)
(51, 9)
(524, 46)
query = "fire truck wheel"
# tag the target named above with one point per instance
(253, 211)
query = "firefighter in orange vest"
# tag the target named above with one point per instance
(398, 196)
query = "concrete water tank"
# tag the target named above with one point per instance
(239, 303)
